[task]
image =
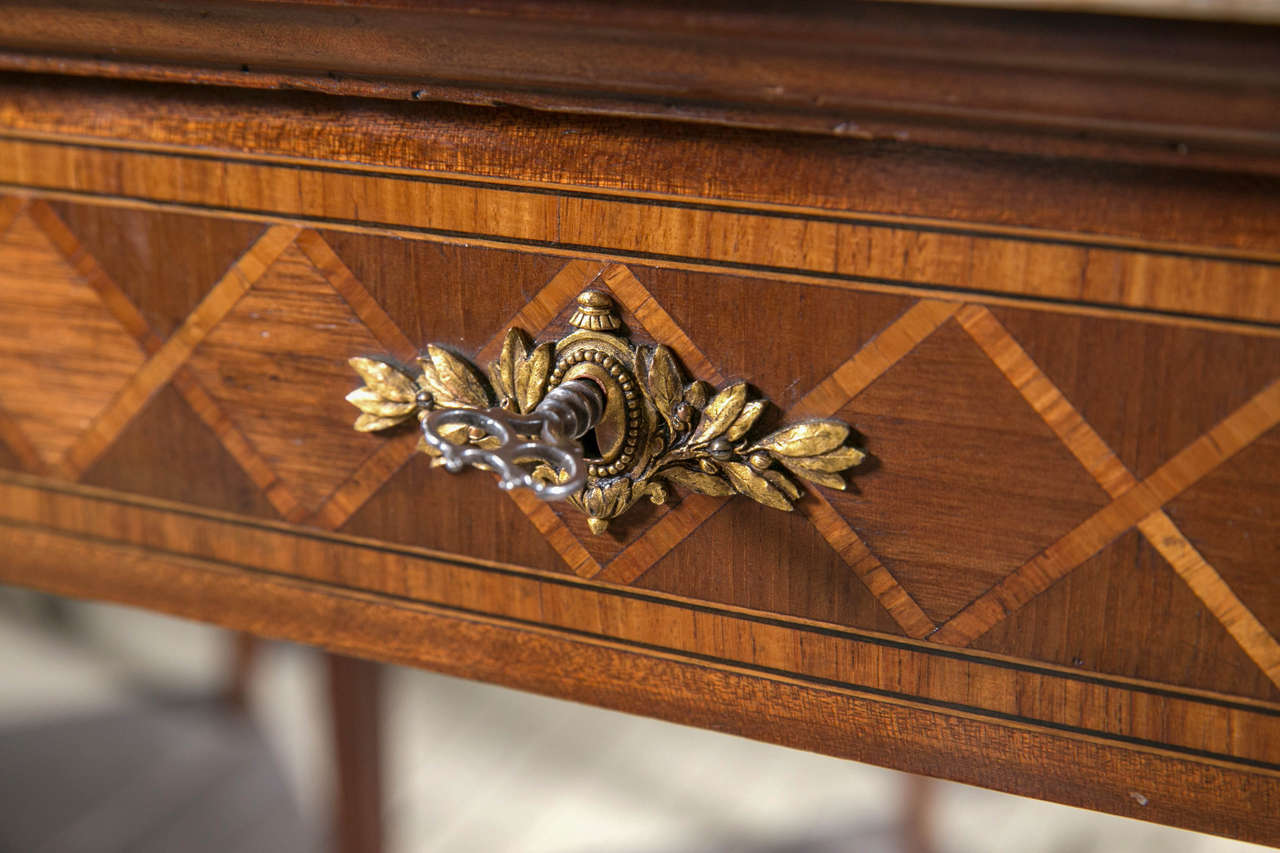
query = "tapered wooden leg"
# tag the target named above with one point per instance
(354, 700)
(917, 814)
(244, 654)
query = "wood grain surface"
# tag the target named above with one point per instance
(993, 79)
(52, 396)
(1053, 576)
(876, 179)
(1133, 779)
(822, 248)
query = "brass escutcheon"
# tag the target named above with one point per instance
(655, 430)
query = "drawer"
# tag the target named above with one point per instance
(1054, 574)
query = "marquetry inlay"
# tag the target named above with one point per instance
(53, 395)
(262, 356)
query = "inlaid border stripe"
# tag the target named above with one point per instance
(366, 309)
(872, 361)
(1217, 596)
(539, 311)
(1063, 429)
(115, 300)
(909, 288)
(856, 251)
(879, 581)
(1105, 467)
(1048, 401)
(27, 499)
(365, 482)
(237, 444)
(636, 621)
(17, 442)
(659, 540)
(1230, 436)
(636, 298)
(110, 296)
(183, 381)
(380, 465)
(10, 434)
(10, 207)
(875, 357)
(166, 361)
(557, 533)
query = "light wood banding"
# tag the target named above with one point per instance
(1226, 439)
(170, 357)
(843, 251)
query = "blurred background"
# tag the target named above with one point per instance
(122, 730)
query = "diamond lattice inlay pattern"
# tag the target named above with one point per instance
(990, 487)
(1111, 612)
(1230, 517)
(956, 440)
(52, 396)
(269, 361)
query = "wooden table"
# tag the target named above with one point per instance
(1032, 256)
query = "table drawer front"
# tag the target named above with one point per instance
(1067, 521)
(1007, 444)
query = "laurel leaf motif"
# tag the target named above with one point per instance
(697, 481)
(531, 377)
(453, 380)
(371, 402)
(799, 467)
(385, 380)
(372, 423)
(750, 413)
(836, 460)
(515, 347)
(782, 484)
(666, 388)
(697, 393)
(643, 355)
(754, 486)
(720, 413)
(809, 438)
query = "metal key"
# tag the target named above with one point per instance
(548, 434)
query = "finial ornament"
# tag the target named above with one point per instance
(595, 312)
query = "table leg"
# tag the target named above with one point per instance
(355, 706)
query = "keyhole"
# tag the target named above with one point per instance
(590, 446)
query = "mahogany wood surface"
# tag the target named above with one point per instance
(823, 248)
(1154, 205)
(355, 703)
(992, 79)
(1055, 576)
(1062, 765)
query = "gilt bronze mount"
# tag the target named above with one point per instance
(599, 421)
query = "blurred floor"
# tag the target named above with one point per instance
(470, 767)
(172, 776)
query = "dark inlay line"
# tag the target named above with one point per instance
(742, 208)
(711, 660)
(571, 249)
(834, 632)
